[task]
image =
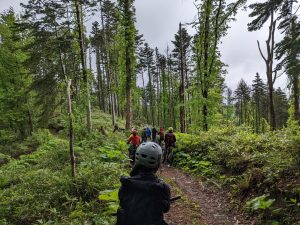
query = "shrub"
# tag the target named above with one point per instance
(4, 159)
(250, 164)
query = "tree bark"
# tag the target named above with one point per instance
(296, 98)
(270, 43)
(100, 92)
(71, 130)
(182, 83)
(206, 54)
(83, 64)
(128, 63)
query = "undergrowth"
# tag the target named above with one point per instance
(261, 170)
(37, 188)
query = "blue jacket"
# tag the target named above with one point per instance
(148, 132)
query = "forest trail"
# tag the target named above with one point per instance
(201, 204)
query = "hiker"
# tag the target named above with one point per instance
(170, 138)
(134, 141)
(161, 134)
(144, 135)
(154, 133)
(148, 132)
(144, 198)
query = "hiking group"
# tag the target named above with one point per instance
(166, 141)
(144, 198)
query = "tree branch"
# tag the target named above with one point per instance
(261, 52)
(229, 13)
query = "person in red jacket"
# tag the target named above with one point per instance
(134, 140)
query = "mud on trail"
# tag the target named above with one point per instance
(201, 204)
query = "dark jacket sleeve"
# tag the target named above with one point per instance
(174, 138)
(166, 198)
(121, 214)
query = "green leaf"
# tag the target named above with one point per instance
(109, 195)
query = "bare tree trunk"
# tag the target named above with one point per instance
(71, 130)
(83, 64)
(270, 43)
(206, 72)
(100, 87)
(164, 93)
(151, 96)
(128, 65)
(116, 80)
(145, 99)
(171, 93)
(70, 116)
(182, 83)
(296, 98)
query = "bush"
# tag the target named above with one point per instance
(38, 138)
(38, 188)
(249, 164)
(4, 159)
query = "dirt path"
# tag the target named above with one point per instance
(202, 204)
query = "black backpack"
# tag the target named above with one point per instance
(143, 200)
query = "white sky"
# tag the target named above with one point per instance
(158, 21)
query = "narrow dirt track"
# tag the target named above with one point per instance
(202, 203)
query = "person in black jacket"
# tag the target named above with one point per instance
(144, 198)
(154, 135)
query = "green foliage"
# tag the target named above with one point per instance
(38, 138)
(248, 164)
(4, 159)
(260, 203)
(15, 100)
(38, 188)
(112, 200)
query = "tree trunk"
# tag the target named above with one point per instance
(151, 95)
(272, 109)
(30, 123)
(164, 95)
(296, 98)
(100, 92)
(270, 44)
(129, 47)
(181, 89)
(145, 99)
(170, 108)
(206, 55)
(83, 64)
(71, 131)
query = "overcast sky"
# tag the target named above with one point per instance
(158, 21)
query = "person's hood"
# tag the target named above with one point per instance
(142, 183)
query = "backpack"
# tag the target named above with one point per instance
(170, 139)
(135, 141)
(161, 136)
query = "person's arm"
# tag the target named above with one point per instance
(129, 139)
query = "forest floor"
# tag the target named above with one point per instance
(201, 204)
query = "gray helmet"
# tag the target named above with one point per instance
(149, 155)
